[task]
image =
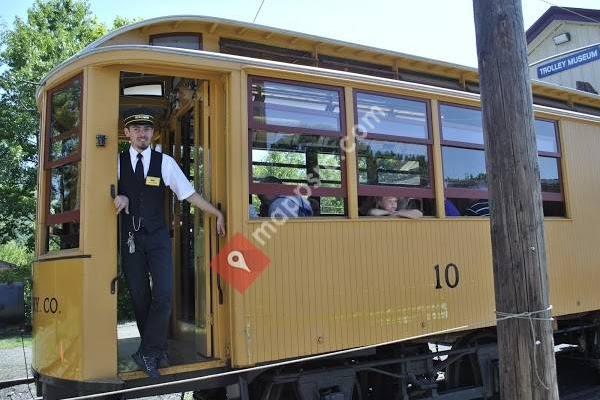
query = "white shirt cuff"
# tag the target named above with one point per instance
(186, 194)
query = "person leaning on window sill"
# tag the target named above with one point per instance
(387, 206)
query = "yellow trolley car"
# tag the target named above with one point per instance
(251, 114)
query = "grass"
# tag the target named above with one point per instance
(11, 338)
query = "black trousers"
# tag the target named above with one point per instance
(149, 274)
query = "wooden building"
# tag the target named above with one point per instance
(564, 48)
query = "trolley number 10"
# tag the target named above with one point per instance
(451, 276)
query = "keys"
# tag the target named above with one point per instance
(131, 243)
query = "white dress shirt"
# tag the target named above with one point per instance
(172, 175)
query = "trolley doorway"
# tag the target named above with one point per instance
(192, 305)
(181, 107)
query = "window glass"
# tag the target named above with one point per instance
(549, 174)
(191, 42)
(290, 105)
(64, 188)
(65, 120)
(62, 166)
(545, 134)
(329, 205)
(554, 209)
(467, 207)
(391, 116)
(464, 168)
(62, 236)
(154, 89)
(393, 163)
(461, 124)
(64, 148)
(294, 159)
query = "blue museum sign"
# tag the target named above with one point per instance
(574, 60)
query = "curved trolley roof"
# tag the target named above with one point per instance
(329, 55)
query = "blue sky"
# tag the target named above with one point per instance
(438, 29)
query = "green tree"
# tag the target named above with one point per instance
(53, 31)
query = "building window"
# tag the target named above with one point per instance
(62, 165)
(585, 86)
(295, 154)
(191, 41)
(393, 151)
(463, 160)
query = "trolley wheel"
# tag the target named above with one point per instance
(39, 388)
(358, 392)
(466, 371)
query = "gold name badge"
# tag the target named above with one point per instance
(152, 181)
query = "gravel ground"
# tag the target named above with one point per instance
(12, 366)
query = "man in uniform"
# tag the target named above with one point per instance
(144, 175)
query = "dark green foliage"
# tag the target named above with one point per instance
(53, 31)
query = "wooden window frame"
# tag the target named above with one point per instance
(550, 196)
(476, 194)
(284, 189)
(356, 66)
(266, 52)
(389, 190)
(71, 215)
(76, 156)
(170, 34)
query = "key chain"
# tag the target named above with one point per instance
(131, 243)
(131, 240)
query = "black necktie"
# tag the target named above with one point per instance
(139, 169)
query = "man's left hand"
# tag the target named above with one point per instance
(221, 224)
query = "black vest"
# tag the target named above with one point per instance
(145, 201)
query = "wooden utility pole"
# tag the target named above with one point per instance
(526, 346)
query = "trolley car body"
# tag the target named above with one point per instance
(333, 282)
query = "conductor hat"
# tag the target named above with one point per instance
(138, 116)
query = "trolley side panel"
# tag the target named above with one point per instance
(57, 314)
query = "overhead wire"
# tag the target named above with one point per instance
(570, 10)
(26, 367)
(257, 12)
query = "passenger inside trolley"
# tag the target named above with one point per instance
(392, 206)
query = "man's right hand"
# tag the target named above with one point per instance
(122, 202)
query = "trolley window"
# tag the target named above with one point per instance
(393, 151)
(192, 41)
(62, 165)
(464, 168)
(295, 155)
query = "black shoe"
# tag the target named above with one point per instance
(148, 364)
(163, 360)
